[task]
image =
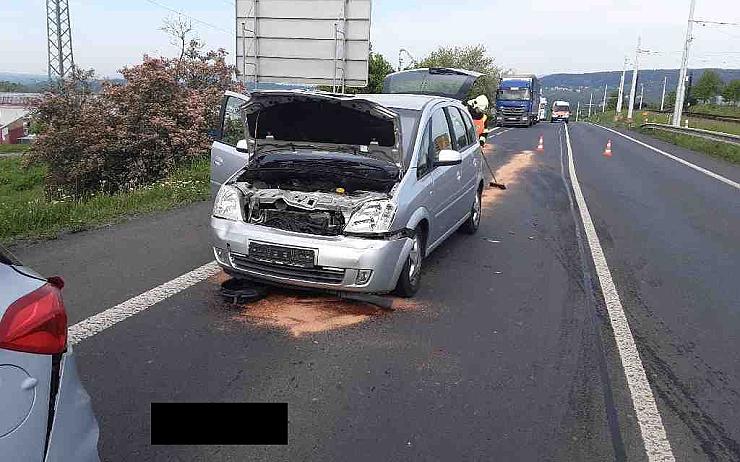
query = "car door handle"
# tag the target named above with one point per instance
(218, 161)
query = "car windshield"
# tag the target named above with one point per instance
(409, 122)
(562, 108)
(519, 94)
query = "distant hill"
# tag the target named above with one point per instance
(23, 79)
(578, 87)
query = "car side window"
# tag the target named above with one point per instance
(460, 132)
(423, 163)
(441, 138)
(232, 129)
(472, 134)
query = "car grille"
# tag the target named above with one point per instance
(315, 274)
(512, 111)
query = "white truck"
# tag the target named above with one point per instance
(542, 112)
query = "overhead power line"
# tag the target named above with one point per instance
(194, 19)
(716, 23)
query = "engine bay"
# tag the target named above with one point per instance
(317, 212)
(312, 193)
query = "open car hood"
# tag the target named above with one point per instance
(437, 81)
(296, 119)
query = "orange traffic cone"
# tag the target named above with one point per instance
(608, 151)
(541, 145)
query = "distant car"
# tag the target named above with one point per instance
(346, 193)
(560, 111)
(45, 413)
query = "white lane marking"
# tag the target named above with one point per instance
(491, 135)
(657, 446)
(728, 181)
(108, 318)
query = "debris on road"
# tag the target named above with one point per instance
(492, 241)
(238, 291)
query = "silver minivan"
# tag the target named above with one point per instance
(345, 193)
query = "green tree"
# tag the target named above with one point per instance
(731, 93)
(472, 58)
(611, 100)
(378, 68)
(708, 86)
(670, 99)
(12, 86)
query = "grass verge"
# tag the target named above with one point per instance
(725, 151)
(25, 213)
(8, 148)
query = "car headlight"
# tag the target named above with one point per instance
(227, 204)
(372, 217)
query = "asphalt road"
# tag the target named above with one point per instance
(506, 353)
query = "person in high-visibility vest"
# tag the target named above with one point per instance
(477, 108)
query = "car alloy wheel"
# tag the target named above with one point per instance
(477, 210)
(415, 258)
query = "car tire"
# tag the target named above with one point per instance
(410, 278)
(472, 224)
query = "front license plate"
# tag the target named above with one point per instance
(280, 255)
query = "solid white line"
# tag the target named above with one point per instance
(728, 181)
(657, 446)
(110, 317)
(492, 135)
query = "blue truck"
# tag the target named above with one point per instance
(518, 100)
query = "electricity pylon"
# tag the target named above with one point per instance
(59, 43)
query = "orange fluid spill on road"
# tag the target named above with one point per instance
(302, 313)
(305, 313)
(509, 174)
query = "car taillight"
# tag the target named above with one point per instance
(36, 322)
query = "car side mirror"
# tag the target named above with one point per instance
(242, 146)
(448, 157)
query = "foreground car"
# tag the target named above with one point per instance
(45, 414)
(342, 193)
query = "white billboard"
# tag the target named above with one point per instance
(321, 42)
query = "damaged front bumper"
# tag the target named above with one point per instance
(341, 263)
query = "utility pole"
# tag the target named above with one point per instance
(662, 97)
(642, 94)
(681, 87)
(603, 104)
(620, 99)
(633, 87)
(59, 39)
(590, 103)
(578, 111)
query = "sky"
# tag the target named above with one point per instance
(535, 36)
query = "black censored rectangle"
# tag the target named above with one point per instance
(219, 423)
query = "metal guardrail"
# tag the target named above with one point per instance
(706, 134)
(704, 115)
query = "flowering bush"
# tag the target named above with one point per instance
(134, 133)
